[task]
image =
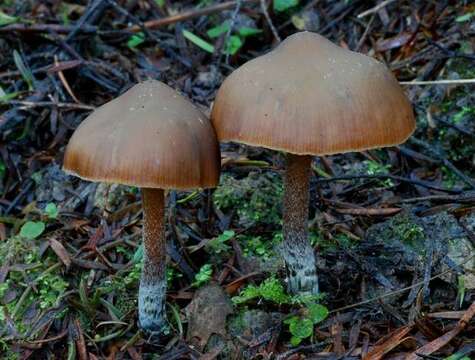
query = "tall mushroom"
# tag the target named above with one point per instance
(153, 138)
(310, 97)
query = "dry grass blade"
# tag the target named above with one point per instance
(370, 211)
(375, 9)
(439, 82)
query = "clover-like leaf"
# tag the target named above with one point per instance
(32, 229)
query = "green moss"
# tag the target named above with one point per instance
(270, 290)
(6, 353)
(124, 285)
(256, 199)
(41, 271)
(262, 246)
(403, 227)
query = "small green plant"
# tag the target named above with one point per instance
(51, 211)
(270, 290)
(50, 288)
(375, 168)
(123, 285)
(405, 229)
(466, 110)
(256, 199)
(6, 352)
(6, 19)
(172, 274)
(203, 276)
(254, 245)
(46, 283)
(283, 5)
(218, 244)
(465, 17)
(135, 40)
(235, 41)
(457, 357)
(32, 229)
(301, 326)
(3, 170)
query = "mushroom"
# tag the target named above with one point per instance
(153, 138)
(310, 97)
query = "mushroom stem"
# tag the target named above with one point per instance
(296, 250)
(152, 290)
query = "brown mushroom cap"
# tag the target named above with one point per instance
(309, 96)
(150, 136)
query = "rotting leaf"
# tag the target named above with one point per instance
(60, 251)
(207, 314)
(389, 343)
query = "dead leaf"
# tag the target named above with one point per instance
(394, 42)
(207, 315)
(388, 343)
(60, 251)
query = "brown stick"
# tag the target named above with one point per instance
(375, 9)
(60, 29)
(151, 24)
(370, 211)
(186, 15)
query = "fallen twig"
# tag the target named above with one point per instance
(375, 9)
(269, 21)
(186, 15)
(393, 177)
(464, 198)
(370, 211)
(439, 82)
(447, 315)
(31, 104)
(151, 24)
(60, 29)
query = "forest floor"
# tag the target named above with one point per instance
(393, 229)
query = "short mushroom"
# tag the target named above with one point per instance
(153, 138)
(310, 97)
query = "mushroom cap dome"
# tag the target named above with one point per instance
(309, 96)
(150, 136)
